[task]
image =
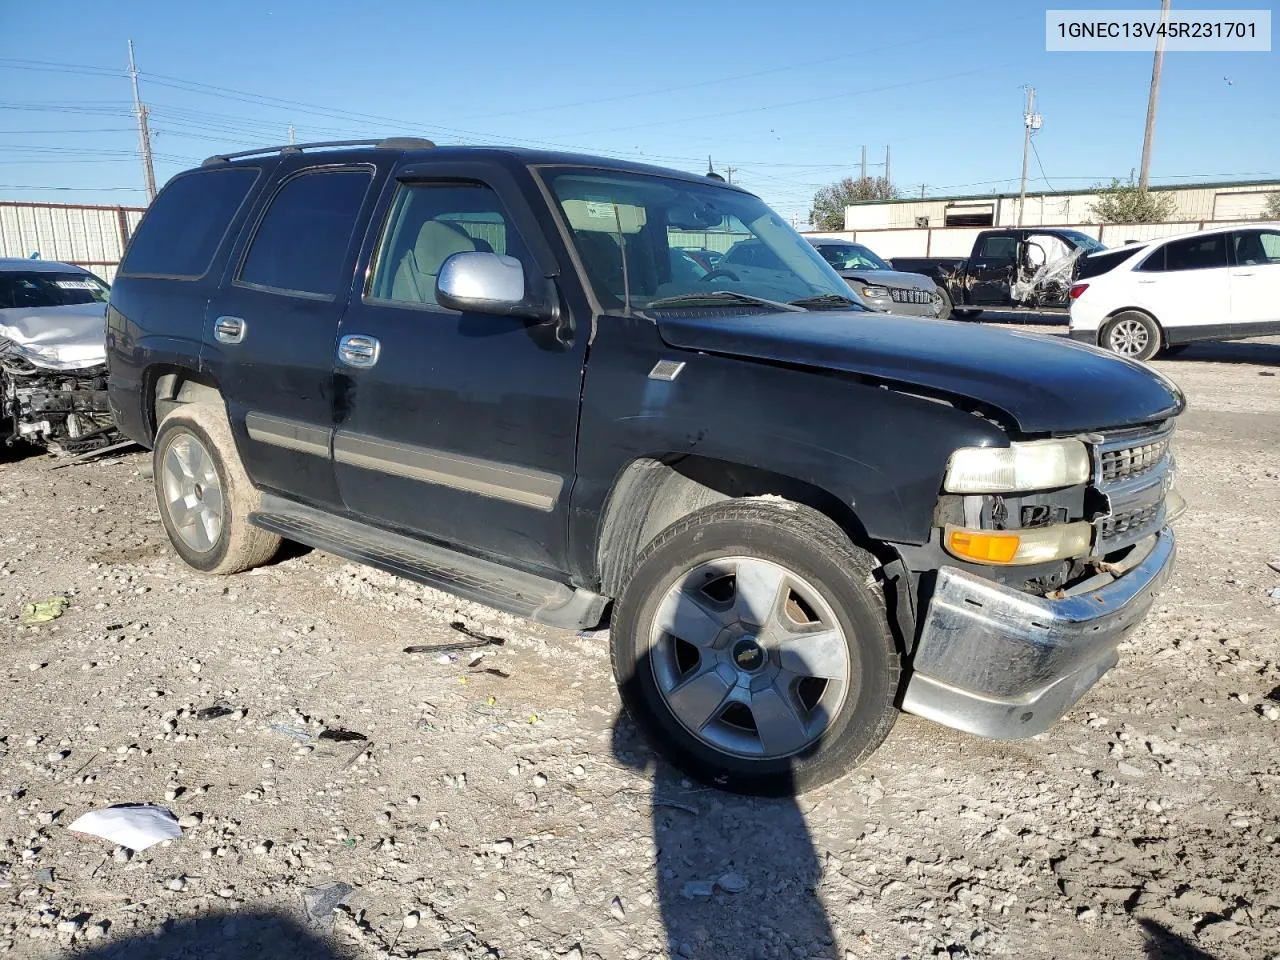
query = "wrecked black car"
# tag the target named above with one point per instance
(52, 357)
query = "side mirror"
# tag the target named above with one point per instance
(479, 282)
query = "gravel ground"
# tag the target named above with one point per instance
(502, 809)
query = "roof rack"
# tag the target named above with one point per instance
(386, 143)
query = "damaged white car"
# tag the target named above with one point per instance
(53, 375)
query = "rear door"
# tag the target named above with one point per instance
(1185, 285)
(457, 427)
(271, 327)
(1255, 278)
(991, 270)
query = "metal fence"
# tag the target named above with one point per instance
(93, 237)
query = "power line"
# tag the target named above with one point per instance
(1040, 165)
(31, 186)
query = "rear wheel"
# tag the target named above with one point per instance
(204, 494)
(753, 647)
(1132, 334)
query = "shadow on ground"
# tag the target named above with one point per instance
(1164, 944)
(245, 936)
(758, 848)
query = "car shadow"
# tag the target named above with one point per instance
(1163, 944)
(228, 936)
(732, 873)
(1227, 351)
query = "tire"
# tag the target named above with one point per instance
(1132, 334)
(195, 456)
(947, 310)
(826, 589)
(966, 314)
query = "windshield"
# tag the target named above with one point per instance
(851, 256)
(41, 288)
(1084, 241)
(667, 226)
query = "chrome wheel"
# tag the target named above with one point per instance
(192, 493)
(1129, 338)
(749, 658)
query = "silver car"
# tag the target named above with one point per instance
(878, 285)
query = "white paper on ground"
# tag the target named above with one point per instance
(136, 826)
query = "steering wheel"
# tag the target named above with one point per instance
(718, 272)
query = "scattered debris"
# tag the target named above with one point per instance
(341, 736)
(459, 941)
(674, 805)
(215, 712)
(42, 611)
(475, 639)
(95, 454)
(1274, 564)
(321, 901)
(697, 888)
(732, 883)
(43, 876)
(290, 731)
(133, 825)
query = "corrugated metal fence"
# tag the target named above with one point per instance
(92, 237)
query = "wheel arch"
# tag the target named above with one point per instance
(652, 493)
(166, 386)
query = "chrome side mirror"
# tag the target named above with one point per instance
(479, 282)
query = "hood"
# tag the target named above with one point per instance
(1046, 384)
(58, 338)
(890, 278)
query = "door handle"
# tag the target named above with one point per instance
(356, 350)
(229, 329)
(978, 266)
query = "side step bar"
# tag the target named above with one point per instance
(513, 591)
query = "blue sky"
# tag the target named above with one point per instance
(786, 93)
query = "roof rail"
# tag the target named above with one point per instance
(386, 143)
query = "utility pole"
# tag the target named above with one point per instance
(144, 135)
(922, 189)
(292, 140)
(1030, 121)
(1149, 135)
(887, 181)
(728, 172)
(864, 161)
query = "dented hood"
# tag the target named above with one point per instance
(58, 338)
(1046, 384)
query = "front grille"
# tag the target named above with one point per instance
(1130, 522)
(1126, 462)
(903, 295)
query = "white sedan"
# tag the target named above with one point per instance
(1220, 284)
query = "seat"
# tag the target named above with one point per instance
(1249, 251)
(415, 276)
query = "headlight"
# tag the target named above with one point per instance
(1032, 465)
(1016, 547)
(876, 293)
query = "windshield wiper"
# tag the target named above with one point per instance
(693, 299)
(826, 299)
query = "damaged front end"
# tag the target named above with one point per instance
(53, 378)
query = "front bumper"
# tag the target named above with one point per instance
(1003, 664)
(886, 305)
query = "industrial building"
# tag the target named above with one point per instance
(90, 236)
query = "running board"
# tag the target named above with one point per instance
(513, 591)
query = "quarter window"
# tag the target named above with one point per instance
(185, 224)
(303, 240)
(428, 224)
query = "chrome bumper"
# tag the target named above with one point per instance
(1002, 664)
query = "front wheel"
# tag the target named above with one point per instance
(943, 308)
(1132, 334)
(752, 645)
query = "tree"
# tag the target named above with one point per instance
(830, 201)
(1126, 202)
(1273, 207)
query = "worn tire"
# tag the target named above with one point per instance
(948, 308)
(1130, 322)
(966, 314)
(238, 545)
(809, 545)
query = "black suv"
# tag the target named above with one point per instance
(494, 372)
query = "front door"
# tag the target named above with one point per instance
(270, 329)
(1185, 286)
(1255, 279)
(458, 427)
(992, 268)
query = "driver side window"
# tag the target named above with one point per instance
(429, 223)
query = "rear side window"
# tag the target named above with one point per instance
(1193, 253)
(302, 241)
(185, 224)
(1097, 264)
(999, 248)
